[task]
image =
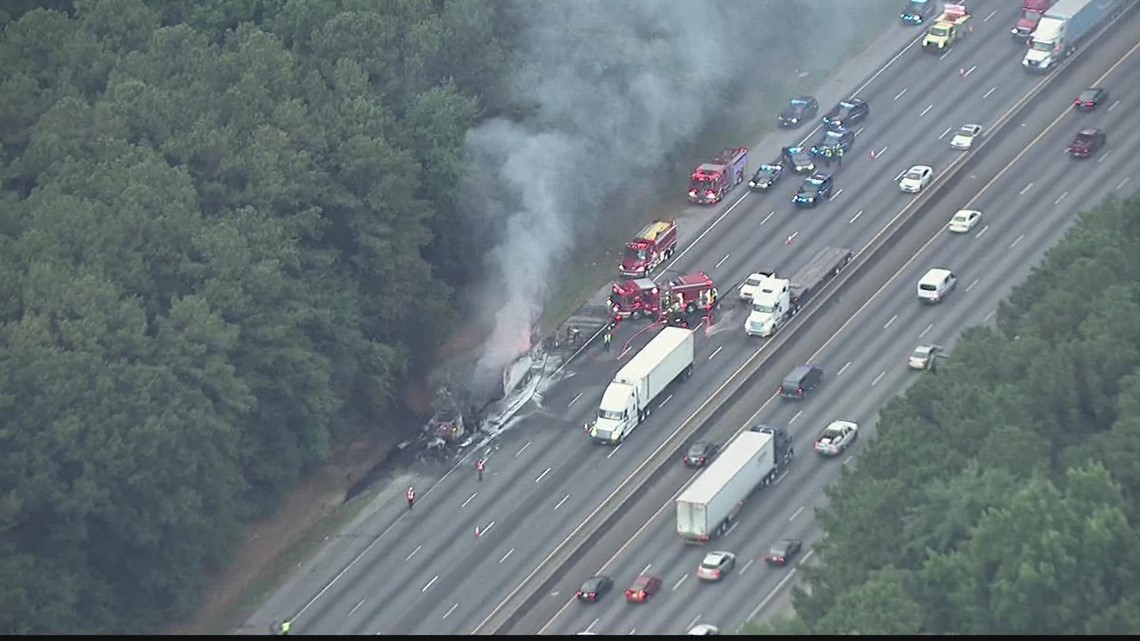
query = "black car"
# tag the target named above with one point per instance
(799, 110)
(701, 454)
(766, 176)
(783, 552)
(1091, 98)
(816, 189)
(847, 113)
(797, 159)
(594, 588)
(832, 141)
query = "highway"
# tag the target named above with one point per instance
(425, 572)
(1029, 192)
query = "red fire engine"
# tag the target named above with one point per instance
(643, 297)
(652, 246)
(712, 180)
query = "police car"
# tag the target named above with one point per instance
(815, 189)
(847, 113)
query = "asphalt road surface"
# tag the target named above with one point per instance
(425, 572)
(1029, 192)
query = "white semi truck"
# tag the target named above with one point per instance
(1062, 29)
(628, 399)
(776, 300)
(708, 507)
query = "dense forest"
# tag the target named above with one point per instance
(1000, 495)
(219, 222)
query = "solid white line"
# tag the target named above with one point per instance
(836, 195)
(746, 566)
(450, 610)
(693, 622)
(765, 600)
(1025, 189)
(770, 214)
(715, 352)
(1060, 198)
(523, 449)
(356, 607)
(507, 555)
(562, 501)
(926, 111)
(900, 94)
(793, 419)
(429, 584)
(721, 261)
(796, 513)
(1122, 184)
(987, 19)
(806, 556)
(984, 230)
(409, 557)
(467, 501)
(890, 321)
(878, 378)
(679, 582)
(1113, 105)
(665, 401)
(575, 399)
(855, 217)
(1016, 241)
(971, 285)
(988, 93)
(843, 369)
(646, 570)
(1104, 156)
(945, 132)
(543, 475)
(611, 454)
(928, 328)
(705, 232)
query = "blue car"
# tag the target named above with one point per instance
(917, 12)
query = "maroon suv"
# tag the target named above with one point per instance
(1087, 142)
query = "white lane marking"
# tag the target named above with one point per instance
(746, 566)
(793, 236)
(679, 582)
(356, 607)
(770, 214)
(592, 624)
(992, 13)
(1122, 183)
(543, 475)
(450, 610)
(1113, 105)
(900, 94)
(487, 529)
(988, 316)
(793, 419)
(632, 632)
(928, 328)
(885, 67)
(971, 285)
(878, 378)
(945, 132)
(890, 321)
(989, 93)
(859, 131)
(646, 570)
(1060, 198)
(715, 352)
(807, 555)
(562, 501)
(507, 555)
(523, 449)
(766, 599)
(1016, 241)
(705, 232)
(879, 153)
(429, 584)
(1104, 156)
(796, 513)
(984, 230)
(855, 217)
(721, 261)
(468, 499)
(926, 111)
(665, 401)
(843, 369)
(943, 56)
(611, 454)
(836, 195)
(1025, 189)
(409, 557)
(969, 71)
(848, 459)
(900, 175)
(572, 401)
(693, 622)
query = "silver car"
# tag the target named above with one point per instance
(716, 565)
(923, 356)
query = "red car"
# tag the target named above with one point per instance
(643, 587)
(1087, 143)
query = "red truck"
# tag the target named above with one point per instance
(1031, 12)
(652, 246)
(712, 180)
(644, 297)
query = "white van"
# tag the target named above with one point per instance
(935, 285)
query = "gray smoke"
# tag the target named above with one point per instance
(611, 88)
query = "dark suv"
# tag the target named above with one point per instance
(802, 380)
(799, 110)
(832, 141)
(1087, 143)
(847, 113)
(814, 190)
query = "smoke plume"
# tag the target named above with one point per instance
(610, 87)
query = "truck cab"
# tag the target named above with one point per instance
(617, 414)
(771, 305)
(636, 298)
(653, 245)
(949, 27)
(1046, 45)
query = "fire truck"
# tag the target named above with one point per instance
(652, 246)
(712, 180)
(644, 297)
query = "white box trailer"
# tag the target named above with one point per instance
(707, 508)
(628, 400)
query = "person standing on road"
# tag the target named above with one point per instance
(607, 338)
(285, 626)
(411, 497)
(479, 465)
(839, 156)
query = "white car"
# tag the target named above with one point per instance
(836, 438)
(704, 629)
(923, 357)
(964, 138)
(715, 565)
(750, 286)
(963, 221)
(916, 179)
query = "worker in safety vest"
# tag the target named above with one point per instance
(607, 338)
(285, 626)
(479, 465)
(411, 497)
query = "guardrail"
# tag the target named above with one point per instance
(536, 585)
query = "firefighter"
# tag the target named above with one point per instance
(411, 497)
(479, 465)
(607, 338)
(285, 626)
(714, 295)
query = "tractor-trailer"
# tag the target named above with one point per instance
(1063, 28)
(627, 400)
(709, 506)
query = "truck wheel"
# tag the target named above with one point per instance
(688, 372)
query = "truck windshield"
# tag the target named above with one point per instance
(610, 415)
(1038, 45)
(938, 32)
(635, 254)
(763, 309)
